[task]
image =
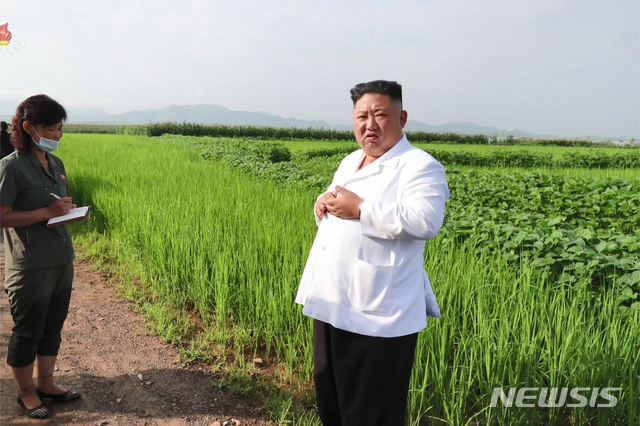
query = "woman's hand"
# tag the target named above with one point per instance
(60, 207)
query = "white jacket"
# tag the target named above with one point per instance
(367, 275)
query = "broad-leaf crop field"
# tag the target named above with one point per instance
(537, 268)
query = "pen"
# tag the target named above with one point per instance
(55, 195)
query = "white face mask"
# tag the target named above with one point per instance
(45, 144)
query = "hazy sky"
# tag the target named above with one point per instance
(567, 67)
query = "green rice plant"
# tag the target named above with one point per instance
(203, 238)
(574, 227)
(507, 327)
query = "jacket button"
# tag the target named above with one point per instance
(55, 186)
(64, 240)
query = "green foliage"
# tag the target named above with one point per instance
(503, 158)
(138, 129)
(294, 133)
(265, 160)
(106, 129)
(575, 227)
(264, 132)
(308, 154)
(600, 160)
(569, 142)
(90, 128)
(215, 242)
(494, 158)
(526, 159)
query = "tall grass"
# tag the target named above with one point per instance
(231, 250)
(506, 327)
(204, 236)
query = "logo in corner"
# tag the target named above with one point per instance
(12, 44)
(5, 35)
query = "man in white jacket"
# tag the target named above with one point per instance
(364, 283)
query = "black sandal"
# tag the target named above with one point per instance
(39, 412)
(67, 396)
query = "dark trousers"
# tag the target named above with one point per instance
(39, 300)
(361, 380)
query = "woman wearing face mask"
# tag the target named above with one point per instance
(38, 260)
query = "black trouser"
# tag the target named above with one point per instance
(361, 380)
(39, 300)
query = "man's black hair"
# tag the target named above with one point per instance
(382, 87)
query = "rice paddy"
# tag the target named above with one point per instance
(213, 251)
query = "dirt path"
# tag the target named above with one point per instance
(126, 376)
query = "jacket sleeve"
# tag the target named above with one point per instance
(8, 183)
(418, 215)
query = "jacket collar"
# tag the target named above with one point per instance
(35, 162)
(391, 158)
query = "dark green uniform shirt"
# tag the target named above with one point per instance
(25, 184)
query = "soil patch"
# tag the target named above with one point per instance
(127, 375)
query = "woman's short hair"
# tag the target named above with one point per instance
(37, 110)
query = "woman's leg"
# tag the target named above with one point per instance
(51, 337)
(29, 297)
(24, 378)
(45, 366)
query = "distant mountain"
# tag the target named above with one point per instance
(216, 114)
(457, 127)
(465, 128)
(203, 114)
(89, 115)
(343, 127)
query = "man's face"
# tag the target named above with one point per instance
(378, 123)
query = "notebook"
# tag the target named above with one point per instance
(78, 213)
